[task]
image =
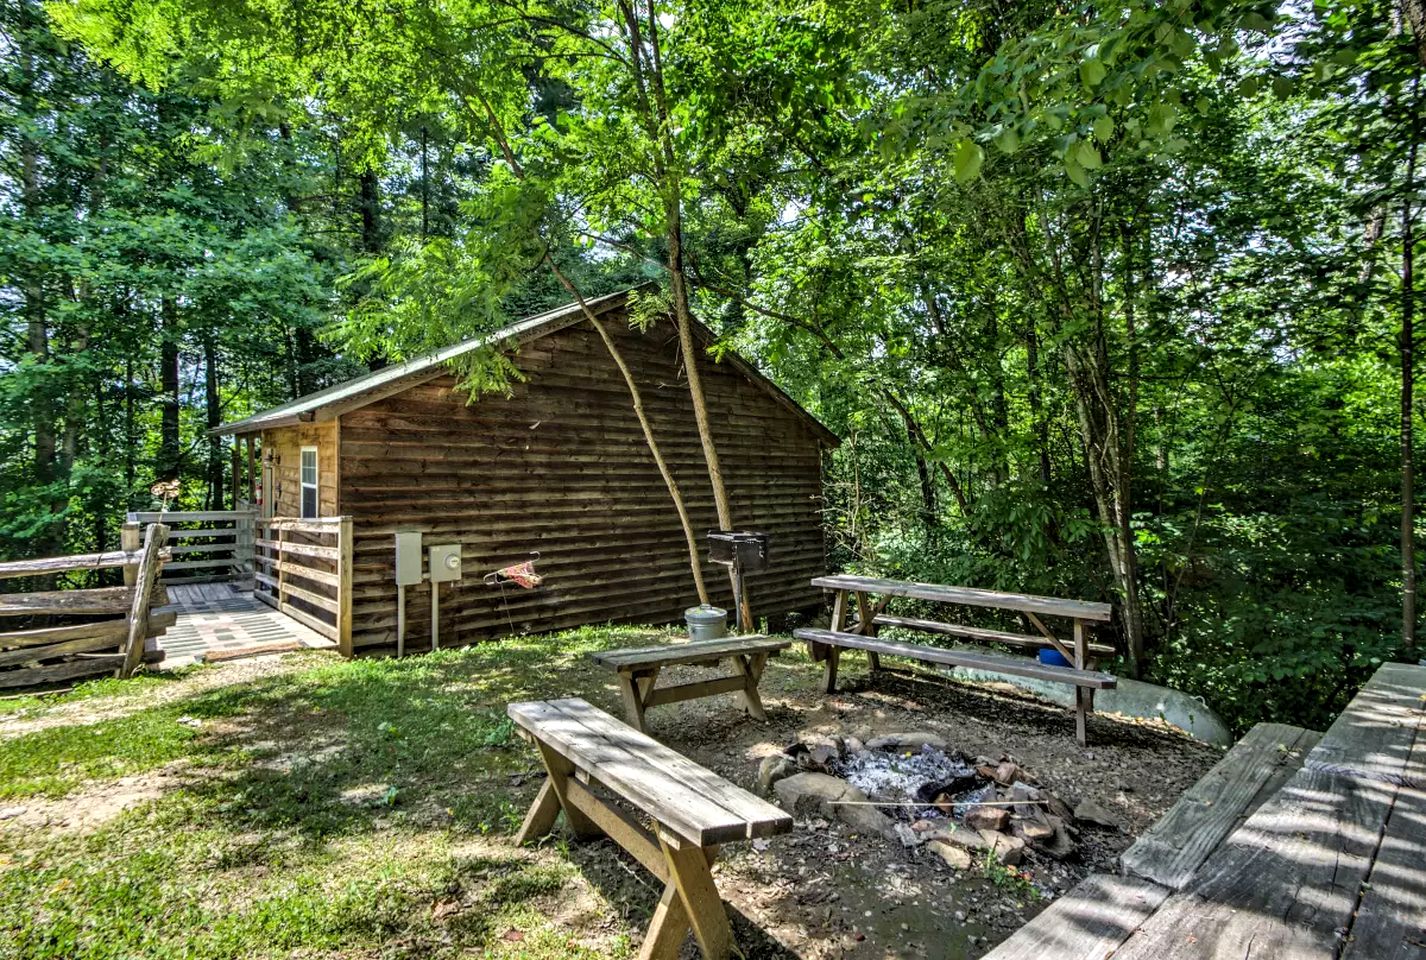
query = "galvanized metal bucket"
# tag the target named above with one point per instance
(706, 622)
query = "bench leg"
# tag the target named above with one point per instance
(751, 669)
(691, 886)
(559, 770)
(1083, 697)
(669, 927)
(540, 819)
(631, 688)
(873, 661)
(829, 674)
(1082, 703)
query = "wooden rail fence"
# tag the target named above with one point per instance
(207, 545)
(55, 651)
(303, 568)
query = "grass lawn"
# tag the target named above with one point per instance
(326, 808)
(311, 807)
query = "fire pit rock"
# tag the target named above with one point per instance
(906, 742)
(804, 794)
(975, 844)
(777, 767)
(983, 817)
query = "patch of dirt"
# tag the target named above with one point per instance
(825, 892)
(98, 802)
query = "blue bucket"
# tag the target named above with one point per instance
(1051, 657)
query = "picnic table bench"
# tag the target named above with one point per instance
(1295, 846)
(638, 670)
(861, 634)
(685, 812)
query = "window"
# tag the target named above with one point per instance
(309, 482)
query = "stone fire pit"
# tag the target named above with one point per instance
(915, 789)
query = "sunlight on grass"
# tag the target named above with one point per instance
(326, 809)
(104, 688)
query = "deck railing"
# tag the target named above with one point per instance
(207, 545)
(303, 568)
(59, 651)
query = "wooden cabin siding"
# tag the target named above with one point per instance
(561, 467)
(285, 445)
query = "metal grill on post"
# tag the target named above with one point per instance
(741, 551)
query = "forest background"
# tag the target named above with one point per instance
(1111, 301)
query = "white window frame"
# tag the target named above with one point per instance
(303, 485)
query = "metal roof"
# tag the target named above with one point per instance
(378, 384)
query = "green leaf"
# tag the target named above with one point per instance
(1103, 129)
(1076, 172)
(1088, 155)
(969, 157)
(1008, 141)
(1092, 73)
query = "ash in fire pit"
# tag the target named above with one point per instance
(945, 783)
(915, 789)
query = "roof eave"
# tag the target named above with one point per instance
(252, 425)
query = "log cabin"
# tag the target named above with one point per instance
(558, 468)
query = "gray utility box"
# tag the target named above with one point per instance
(408, 557)
(445, 562)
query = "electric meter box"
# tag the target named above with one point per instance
(408, 557)
(445, 562)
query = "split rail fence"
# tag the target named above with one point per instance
(64, 635)
(303, 568)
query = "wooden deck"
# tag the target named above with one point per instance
(220, 621)
(1291, 848)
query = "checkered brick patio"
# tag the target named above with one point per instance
(224, 619)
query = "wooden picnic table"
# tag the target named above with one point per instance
(861, 633)
(1295, 846)
(638, 669)
(685, 813)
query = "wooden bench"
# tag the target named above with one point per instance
(685, 812)
(638, 670)
(861, 634)
(1291, 847)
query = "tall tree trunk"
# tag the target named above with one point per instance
(1109, 478)
(301, 357)
(636, 396)
(670, 175)
(169, 450)
(131, 440)
(1415, 13)
(43, 415)
(999, 404)
(1037, 416)
(425, 187)
(370, 205)
(214, 411)
(1109, 457)
(1407, 347)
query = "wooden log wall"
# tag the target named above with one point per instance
(561, 467)
(284, 445)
